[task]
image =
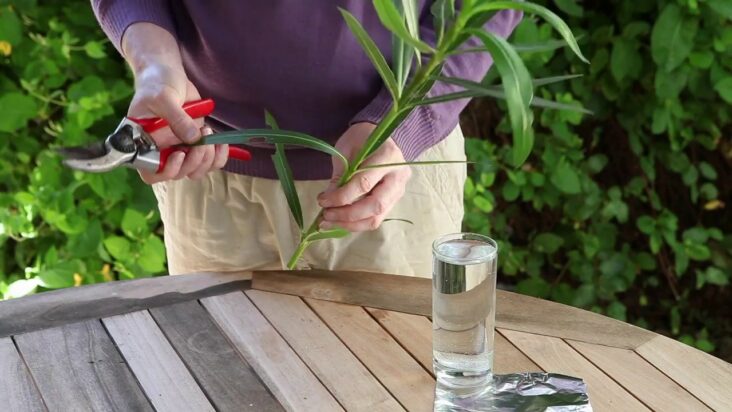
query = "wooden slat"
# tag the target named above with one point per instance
(71, 305)
(284, 373)
(77, 368)
(339, 370)
(508, 359)
(376, 290)
(403, 376)
(162, 374)
(555, 355)
(640, 378)
(413, 295)
(528, 314)
(708, 378)
(413, 332)
(18, 392)
(225, 377)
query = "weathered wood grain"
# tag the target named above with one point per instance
(225, 377)
(400, 293)
(77, 368)
(555, 355)
(708, 378)
(413, 332)
(414, 295)
(161, 373)
(399, 372)
(508, 359)
(640, 378)
(331, 361)
(284, 373)
(18, 392)
(70, 305)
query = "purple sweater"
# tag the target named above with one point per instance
(297, 59)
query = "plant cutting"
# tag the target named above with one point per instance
(416, 66)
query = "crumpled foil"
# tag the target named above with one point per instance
(524, 392)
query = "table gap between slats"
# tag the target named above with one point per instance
(418, 396)
(33, 399)
(555, 355)
(236, 386)
(402, 344)
(636, 373)
(298, 324)
(327, 325)
(258, 359)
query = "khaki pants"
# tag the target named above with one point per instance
(228, 222)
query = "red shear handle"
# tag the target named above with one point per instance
(195, 109)
(234, 153)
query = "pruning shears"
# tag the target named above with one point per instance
(130, 145)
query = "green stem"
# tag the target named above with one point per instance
(384, 126)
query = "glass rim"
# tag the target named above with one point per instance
(464, 236)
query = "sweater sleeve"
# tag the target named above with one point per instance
(428, 125)
(115, 16)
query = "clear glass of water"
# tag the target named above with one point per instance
(463, 312)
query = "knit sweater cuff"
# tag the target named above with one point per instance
(416, 133)
(116, 16)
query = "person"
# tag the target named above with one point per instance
(298, 60)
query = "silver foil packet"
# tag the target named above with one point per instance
(524, 392)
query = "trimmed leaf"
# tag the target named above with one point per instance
(270, 121)
(394, 21)
(335, 233)
(373, 52)
(401, 56)
(519, 92)
(543, 81)
(274, 137)
(549, 16)
(284, 174)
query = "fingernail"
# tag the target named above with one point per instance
(191, 136)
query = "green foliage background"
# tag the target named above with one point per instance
(625, 212)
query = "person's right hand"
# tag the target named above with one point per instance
(161, 89)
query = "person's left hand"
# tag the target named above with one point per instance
(363, 203)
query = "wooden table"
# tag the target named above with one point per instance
(312, 341)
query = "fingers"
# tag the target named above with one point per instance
(221, 156)
(360, 185)
(170, 172)
(369, 212)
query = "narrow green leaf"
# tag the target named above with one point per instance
(543, 81)
(270, 121)
(373, 52)
(443, 11)
(559, 25)
(392, 20)
(396, 219)
(284, 174)
(546, 46)
(519, 92)
(402, 56)
(274, 137)
(335, 233)
(474, 89)
(422, 163)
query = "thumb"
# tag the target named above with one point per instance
(182, 125)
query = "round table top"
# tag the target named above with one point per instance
(313, 340)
